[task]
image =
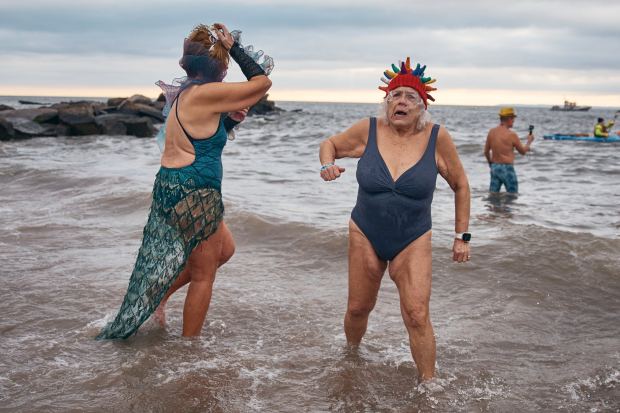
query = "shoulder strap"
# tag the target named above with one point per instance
(372, 131)
(176, 112)
(432, 142)
(433, 139)
(434, 133)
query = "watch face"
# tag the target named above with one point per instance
(466, 236)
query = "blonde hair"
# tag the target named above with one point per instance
(201, 34)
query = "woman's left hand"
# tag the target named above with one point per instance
(224, 35)
(460, 251)
(239, 115)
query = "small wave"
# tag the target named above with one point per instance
(599, 390)
(470, 149)
(252, 228)
(184, 369)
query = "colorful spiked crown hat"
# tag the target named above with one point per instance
(413, 78)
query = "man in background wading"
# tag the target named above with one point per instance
(499, 151)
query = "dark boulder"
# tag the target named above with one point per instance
(6, 130)
(125, 117)
(113, 124)
(75, 112)
(83, 129)
(159, 105)
(80, 117)
(93, 104)
(5, 107)
(25, 128)
(115, 101)
(123, 124)
(140, 109)
(140, 99)
(106, 109)
(40, 115)
(140, 127)
(63, 130)
(264, 107)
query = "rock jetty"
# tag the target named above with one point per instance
(137, 116)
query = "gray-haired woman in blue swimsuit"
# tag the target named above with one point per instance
(390, 228)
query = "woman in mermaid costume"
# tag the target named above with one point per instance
(185, 239)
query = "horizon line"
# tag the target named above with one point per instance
(537, 105)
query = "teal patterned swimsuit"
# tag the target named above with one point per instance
(503, 174)
(186, 209)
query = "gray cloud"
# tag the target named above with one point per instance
(517, 40)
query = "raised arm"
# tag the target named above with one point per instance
(522, 149)
(348, 144)
(230, 97)
(234, 96)
(451, 169)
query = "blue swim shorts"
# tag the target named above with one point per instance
(503, 173)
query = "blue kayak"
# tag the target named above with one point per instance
(562, 137)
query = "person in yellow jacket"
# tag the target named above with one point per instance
(601, 130)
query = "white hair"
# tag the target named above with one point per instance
(423, 120)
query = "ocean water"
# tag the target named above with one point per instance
(530, 324)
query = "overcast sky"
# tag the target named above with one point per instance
(481, 52)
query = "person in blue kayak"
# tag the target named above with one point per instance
(499, 151)
(601, 130)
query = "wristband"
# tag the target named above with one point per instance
(230, 123)
(247, 65)
(327, 165)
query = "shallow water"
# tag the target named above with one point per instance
(529, 325)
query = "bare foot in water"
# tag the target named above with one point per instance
(160, 314)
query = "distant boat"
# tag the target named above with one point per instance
(571, 107)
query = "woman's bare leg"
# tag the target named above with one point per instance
(204, 261)
(411, 270)
(365, 273)
(160, 313)
(185, 277)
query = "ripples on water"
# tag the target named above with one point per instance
(529, 325)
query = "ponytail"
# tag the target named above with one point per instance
(201, 34)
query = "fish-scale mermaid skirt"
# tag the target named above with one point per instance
(183, 213)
